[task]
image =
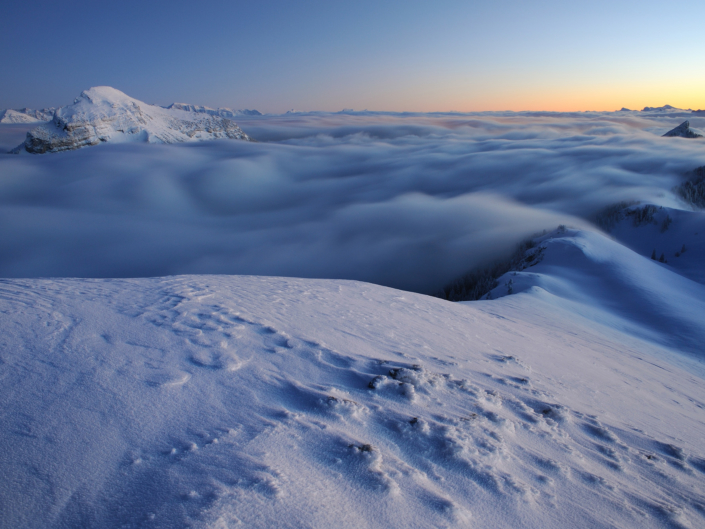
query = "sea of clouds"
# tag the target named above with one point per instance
(406, 200)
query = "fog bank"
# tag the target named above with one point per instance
(409, 201)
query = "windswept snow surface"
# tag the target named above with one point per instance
(220, 401)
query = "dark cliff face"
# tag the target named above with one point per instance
(58, 135)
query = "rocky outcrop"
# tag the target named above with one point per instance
(104, 114)
(683, 131)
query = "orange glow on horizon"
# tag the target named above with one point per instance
(588, 99)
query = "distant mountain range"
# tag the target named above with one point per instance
(222, 112)
(665, 109)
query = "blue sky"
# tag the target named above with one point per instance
(318, 55)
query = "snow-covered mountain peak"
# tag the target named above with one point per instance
(683, 131)
(104, 94)
(105, 114)
(98, 102)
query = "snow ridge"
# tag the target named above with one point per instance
(104, 114)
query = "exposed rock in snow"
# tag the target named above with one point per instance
(222, 112)
(104, 114)
(683, 131)
(26, 115)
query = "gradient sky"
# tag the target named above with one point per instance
(276, 55)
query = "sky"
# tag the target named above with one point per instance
(276, 55)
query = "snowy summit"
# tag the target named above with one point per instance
(104, 114)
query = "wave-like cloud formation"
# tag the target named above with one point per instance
(409, 201)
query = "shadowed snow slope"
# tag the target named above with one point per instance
(104, 114)
(213, 401)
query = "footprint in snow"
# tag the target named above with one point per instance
(208, 358)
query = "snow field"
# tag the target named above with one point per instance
(213, 401)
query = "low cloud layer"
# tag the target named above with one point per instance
(409, 201)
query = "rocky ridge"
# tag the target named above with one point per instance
(682, 131)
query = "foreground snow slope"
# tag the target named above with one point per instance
(215, 401)
(104, 114)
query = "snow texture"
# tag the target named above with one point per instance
(104, 114)
(216, 401)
